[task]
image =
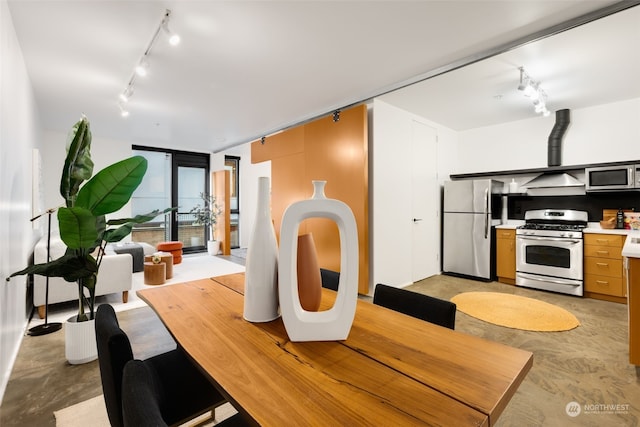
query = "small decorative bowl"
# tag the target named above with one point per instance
(608, 225)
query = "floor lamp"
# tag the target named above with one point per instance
(47, 327)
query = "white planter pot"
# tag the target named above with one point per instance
(80, 341)
(213, 247)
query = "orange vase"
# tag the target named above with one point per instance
(309, 279)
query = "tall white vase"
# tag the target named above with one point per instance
(261, 266)
(327, 325)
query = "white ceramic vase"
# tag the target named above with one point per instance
(335, 323)
(261, 266)
(80, 341)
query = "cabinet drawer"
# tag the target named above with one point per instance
(603, 239)
(505, 234)
(603, 251)
(604, 285)
(603, 267)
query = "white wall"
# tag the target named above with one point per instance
(604, 133)
(390, 189)
(104, 152)
(18, 136)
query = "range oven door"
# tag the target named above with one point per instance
(550, 256)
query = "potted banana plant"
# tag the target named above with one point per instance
(84, 228)
(207, 215)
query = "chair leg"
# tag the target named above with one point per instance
(41, 311)
(125, 296)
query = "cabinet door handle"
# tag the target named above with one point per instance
(602, 240)
(602, 264)
(602, 282)
(603, 252)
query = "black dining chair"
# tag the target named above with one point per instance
(434, 310)
(330, 279)
(186, 393)
(143, 401)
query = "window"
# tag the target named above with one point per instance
(232, 163)
(173, 179)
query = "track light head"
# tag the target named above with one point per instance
(142, 67)
(524, 79)
(123, 112)
(174, 39)
(126, 94)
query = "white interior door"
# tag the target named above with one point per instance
(425, 240)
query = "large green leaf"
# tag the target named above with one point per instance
(69, 266)
(78, 227)
(78, 166)
(111, 188)
(127, 224)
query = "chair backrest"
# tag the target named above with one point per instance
(433, 310)
(114, 351)
(140, 396)
(330, 279)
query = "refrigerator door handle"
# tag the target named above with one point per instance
(486, 213)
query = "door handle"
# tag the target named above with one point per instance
(417, 219)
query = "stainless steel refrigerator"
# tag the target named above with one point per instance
(470, 209)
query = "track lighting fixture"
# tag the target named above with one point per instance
(142, 67)
(336, 116)
(532, 89)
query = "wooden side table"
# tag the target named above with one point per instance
(166, 258)
(154, 274)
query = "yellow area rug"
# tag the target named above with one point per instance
(513, 311)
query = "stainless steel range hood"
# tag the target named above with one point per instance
(554, 184)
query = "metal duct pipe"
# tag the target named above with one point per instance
(563, 119)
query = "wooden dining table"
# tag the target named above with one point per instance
(392, 369)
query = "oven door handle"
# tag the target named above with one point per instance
(552, 239)
(547, 279)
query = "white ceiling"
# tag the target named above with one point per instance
(593, 64)
(245, 69)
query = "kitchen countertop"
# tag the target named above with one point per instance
(631, 248)
(592, 227)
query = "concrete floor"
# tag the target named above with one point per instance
(588, 365)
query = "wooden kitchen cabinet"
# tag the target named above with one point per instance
(506, 255)
(634, 311)
(604, 276)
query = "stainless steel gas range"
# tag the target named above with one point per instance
(549, 250)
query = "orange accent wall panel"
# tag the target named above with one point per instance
(335, 152)
(221, 191)
(290, 141)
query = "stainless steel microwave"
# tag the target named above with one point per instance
(613, 178)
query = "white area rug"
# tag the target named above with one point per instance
(192, 267)
(93, 413)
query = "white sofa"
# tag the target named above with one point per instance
(115, 275)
